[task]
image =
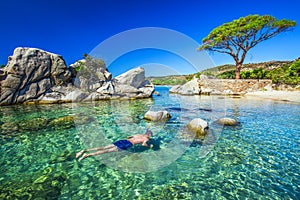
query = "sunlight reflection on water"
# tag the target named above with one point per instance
(258, 159)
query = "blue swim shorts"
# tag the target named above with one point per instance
(123, 144)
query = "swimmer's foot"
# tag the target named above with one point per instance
(82, 157)
(79, 153)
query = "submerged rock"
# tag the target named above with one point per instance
(198, 126)
(70, 121)
(226, 121)
(48, 184)
(63, 122)
(157, 116)
(17, 127)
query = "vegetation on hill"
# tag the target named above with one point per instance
(170, 80)
(1, 66)
(280, 72)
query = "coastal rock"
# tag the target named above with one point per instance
(146, 91)
(202, 76)
(92, 74)
(198, 126)
(107, 88)
(226, 121)
(62, 94)
(189, 88)
(95, 89)
(232, 86)
(208, 85)
(157, 116)
(132, 84)
(134, 78)
(125, 89)
(34, 76)
(30, 73)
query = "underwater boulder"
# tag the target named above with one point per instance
(47, 184)
(226, 121)
(70, 121)
(34, 124)
(198, 126)
(157, 115)
(63, 122)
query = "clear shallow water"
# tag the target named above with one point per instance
(260, 159)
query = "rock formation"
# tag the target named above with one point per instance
(36, 76)
(189, 88)
(212, 86)
(30, 73)
(134, 78)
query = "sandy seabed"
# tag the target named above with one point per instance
(292, 96)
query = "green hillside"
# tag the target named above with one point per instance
(170, 80)
(281, 72)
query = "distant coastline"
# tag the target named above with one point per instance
(279, 72)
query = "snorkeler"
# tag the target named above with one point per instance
(118, 146)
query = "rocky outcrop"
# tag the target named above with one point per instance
(232, 86)
(36, 76)
(157, 115)
(97, 88)
(211, 86)
(30, 73)
(134, 78)
(198, 126)
(189, 88)
(92, 74)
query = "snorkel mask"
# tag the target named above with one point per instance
(149, 133)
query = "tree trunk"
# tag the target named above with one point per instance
(238, 70)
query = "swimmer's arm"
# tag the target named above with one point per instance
(146, 145)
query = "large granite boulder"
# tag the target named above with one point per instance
(30, 73)
(134, 78)
(189, 88)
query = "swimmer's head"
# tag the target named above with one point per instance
(149, 133)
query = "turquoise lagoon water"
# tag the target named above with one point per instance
(259, 159)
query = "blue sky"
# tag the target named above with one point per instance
(74, 27)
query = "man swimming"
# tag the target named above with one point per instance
(118, 146)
